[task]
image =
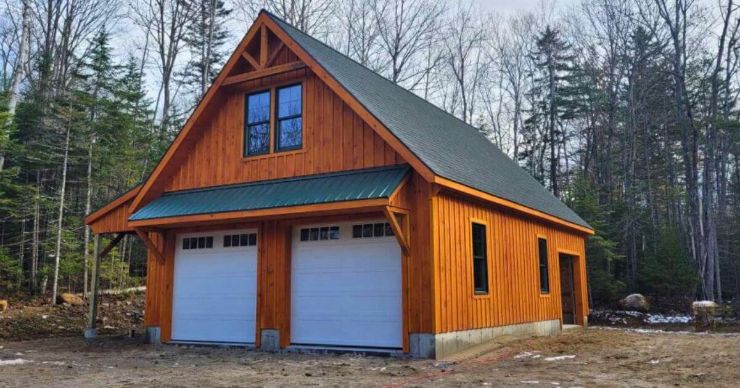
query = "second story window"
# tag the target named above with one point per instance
(289, 123)
(257, 129)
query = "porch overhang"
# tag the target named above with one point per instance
(113, 217)
(347, 192)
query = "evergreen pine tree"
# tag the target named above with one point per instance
(554, 97)
(206, 37)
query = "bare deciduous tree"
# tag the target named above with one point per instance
(165, 22)
(406, 28)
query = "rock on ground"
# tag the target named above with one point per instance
(635, 302)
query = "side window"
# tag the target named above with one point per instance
(480, 259)
(544, 270)
(289, 118)
(257, 124)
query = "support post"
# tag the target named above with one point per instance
(91, 330)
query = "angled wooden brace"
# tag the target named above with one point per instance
(144, 235)
(400, 229)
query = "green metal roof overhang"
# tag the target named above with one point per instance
(376, 183)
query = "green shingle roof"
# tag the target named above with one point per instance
(448, 146)
(307, 190)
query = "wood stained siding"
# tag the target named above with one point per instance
(334, 139)
(159, 283)
(514, 293)
(114, 221)
(415, 196)
(273, 279)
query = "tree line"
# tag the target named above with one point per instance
(624, 109)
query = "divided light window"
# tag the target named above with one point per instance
(257, 128)
(240, 240)
(197, 242)
(289, 120)
(544, 270)
(379, 229)
(480, 259)
(322, 233)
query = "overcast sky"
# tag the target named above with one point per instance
(509, 6)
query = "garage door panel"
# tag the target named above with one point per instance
(214, 296)
(229, 285)
(346, 292)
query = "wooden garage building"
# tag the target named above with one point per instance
(309, 202)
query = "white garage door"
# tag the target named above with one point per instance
(346, 285)
(215, 287)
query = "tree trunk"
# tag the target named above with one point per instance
(19, 71)
(35, 237)
(88, 208)
(60, 220)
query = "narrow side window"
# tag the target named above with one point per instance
(544, 270)
(257, 124)
(480, 259)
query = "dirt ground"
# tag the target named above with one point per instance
(592, 357)
(36, 318)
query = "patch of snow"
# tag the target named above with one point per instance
(17, 361)
(655, 362)
(704, 303)
(44, 316)
(635, 314)
(660, 318)
(525, 355)
(58, 363)
(560, 358)
(528, 355)
(529, 382)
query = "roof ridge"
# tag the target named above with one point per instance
(290, 179)
(272, 15)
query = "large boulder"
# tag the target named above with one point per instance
(635, 302)
(68, 298)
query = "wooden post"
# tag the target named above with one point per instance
(91, 330)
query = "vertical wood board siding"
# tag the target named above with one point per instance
(335, 139)
(114, 221)
(513, 267)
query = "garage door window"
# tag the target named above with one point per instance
(320, 233)
(197, 242)
(378, 229)
(240, 240)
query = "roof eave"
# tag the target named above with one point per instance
(461, 188)
(329, 208)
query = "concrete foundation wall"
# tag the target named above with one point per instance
(442, 345)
